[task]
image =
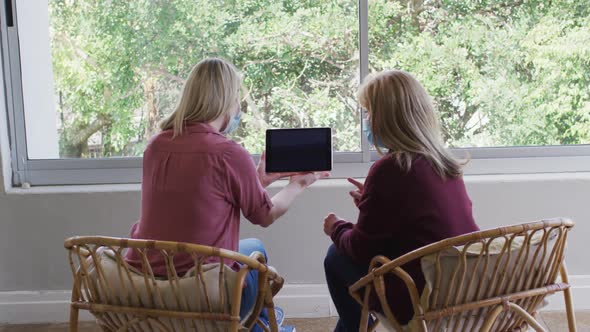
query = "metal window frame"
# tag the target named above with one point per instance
(496, 160)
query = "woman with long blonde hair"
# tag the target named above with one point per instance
(414, 195)
(196, 181)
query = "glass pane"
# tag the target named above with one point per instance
(118, 67)
(501, 72)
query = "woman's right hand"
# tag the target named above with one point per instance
(267, 178)
(305, 180)
(358, 193)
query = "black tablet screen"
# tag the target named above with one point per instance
(298, 150)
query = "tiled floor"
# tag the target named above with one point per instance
(554, 321)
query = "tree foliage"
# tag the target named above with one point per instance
(501, 72)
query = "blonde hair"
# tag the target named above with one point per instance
(402, 119)
(212, 90)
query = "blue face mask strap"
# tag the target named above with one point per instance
(232, 124)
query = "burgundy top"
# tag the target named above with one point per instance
(193, 189)
(400, 212)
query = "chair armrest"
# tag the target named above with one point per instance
(274, 283)
(376, 262)
(381, 265)
(275, 280)
(257, 255)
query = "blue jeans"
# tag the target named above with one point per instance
(341, 272)
(249, 293)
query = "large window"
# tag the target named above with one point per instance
(502, 73)
(89, 80)
(119, 66)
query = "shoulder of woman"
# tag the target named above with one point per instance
(388, 162)
(159, 139)
(386, 166)
(234, 152)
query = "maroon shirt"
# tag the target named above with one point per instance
(400, 212)
(193, 189)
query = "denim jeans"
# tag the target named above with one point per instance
(249, 293)
(341, 272)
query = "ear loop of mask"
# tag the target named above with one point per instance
(366, 123)
(233, 122)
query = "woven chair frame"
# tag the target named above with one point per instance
(520, 280)
(113, 315)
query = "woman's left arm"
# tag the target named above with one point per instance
(380, 211)
(364, 240)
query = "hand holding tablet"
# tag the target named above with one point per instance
(267, 178)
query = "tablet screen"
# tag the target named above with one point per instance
(298, 150)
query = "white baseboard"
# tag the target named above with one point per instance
(298, 301)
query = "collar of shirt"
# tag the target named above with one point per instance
(201, 127)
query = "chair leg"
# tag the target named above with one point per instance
(365, 320)
(270, 308)
(73, 309)
(569, 306)
(234, 326)
(73, 318)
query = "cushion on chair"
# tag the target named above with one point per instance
(449, 260)
(184, 294)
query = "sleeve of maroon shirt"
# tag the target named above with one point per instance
(245, 189)
(379, 214)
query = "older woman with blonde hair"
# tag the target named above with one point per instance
(196, 181)
(414, 195)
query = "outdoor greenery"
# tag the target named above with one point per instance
(501, 72)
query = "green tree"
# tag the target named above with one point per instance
(501, 72)
(299, 63)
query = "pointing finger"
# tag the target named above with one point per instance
(357, 184)
(355, 194)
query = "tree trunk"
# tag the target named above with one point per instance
(74, 141)
(151, 126)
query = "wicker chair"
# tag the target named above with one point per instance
(492, 280)
(124, 298)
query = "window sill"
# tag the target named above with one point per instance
(76, 189)
(324, 183)
(128, 170)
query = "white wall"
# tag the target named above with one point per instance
(35, 225)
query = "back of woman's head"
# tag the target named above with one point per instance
(211, 90)
(402, 120)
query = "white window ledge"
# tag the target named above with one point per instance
(324, 183)
(76, 189)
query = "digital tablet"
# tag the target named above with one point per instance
(298, 150)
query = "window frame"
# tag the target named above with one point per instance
(124, 170)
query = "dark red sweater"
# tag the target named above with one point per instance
(400, 212)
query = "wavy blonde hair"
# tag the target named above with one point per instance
(403, 120)
(212, 90)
